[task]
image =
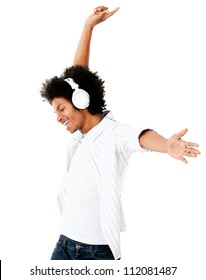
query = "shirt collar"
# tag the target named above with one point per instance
(107, 118)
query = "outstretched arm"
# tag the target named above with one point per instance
(82, 53)
(174, 146)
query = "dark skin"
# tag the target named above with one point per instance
(175, 146)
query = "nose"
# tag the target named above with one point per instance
(59, 117)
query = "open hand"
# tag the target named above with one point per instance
(178, 149)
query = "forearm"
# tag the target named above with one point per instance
(153, 141)
(82, 53)
(83, 48)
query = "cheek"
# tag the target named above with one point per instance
(76, 117)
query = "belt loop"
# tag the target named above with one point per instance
(64, 241)
(93, 249)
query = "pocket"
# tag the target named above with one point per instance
(59, 246)
(59, 252)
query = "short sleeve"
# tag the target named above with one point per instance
(127, 139)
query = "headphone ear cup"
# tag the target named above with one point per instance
(80, 99)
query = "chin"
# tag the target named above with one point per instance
(71, 130)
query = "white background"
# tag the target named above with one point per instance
(152, 56)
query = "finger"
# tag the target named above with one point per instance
(115, 10)
(190, 155)
(191, 144)
(100, 9)
(183, 160)
(191, 152)
(109, 14)
(181, 133)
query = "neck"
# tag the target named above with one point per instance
(90, 122)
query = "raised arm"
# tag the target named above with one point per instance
(82, 53)
(174, 146)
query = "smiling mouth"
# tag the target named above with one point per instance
(66, 124)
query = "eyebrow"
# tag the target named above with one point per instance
(55, 110)
(58, 107)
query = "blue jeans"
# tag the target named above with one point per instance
(68, 249)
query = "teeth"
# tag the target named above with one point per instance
(66, 123)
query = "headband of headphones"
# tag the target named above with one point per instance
(80, 98)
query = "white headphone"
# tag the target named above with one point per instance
(80, 98)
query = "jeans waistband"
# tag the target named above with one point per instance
(68, 241)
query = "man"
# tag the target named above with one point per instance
(90, 204)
